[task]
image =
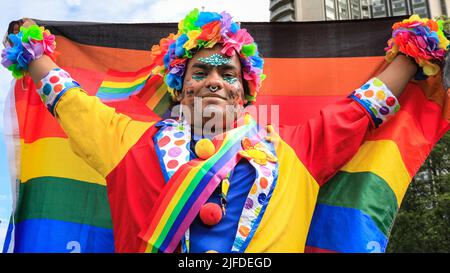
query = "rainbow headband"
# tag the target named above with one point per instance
(204, 30)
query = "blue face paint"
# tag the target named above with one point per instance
(230, 80)
(215, 60)
(198, 78)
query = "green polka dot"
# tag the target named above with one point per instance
(397, 107)
(374, 110)
(377, 83)
(43, 97)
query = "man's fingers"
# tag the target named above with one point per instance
(28, 22)
(14, 28)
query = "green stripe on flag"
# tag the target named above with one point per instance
(64, 199)
(365, 191)
(164, 104)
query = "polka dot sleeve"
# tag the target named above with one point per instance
(377, 99)
(53, 86)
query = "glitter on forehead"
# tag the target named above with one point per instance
(215, 60)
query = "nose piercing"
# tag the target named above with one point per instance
(213, 88)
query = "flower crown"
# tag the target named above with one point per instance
(204, 30)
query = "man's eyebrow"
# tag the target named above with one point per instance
(201, 65)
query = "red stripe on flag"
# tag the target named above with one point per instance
(311, 249)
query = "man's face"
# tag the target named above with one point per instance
(216, 79)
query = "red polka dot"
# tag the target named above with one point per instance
(172, 164)
(58, 88)
(54, 79)
(358, 95)
(263, 182)
(390, 101)
(163, 141)
(39, 85)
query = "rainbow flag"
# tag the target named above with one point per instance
(62, 204)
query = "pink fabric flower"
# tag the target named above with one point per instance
(236, 41)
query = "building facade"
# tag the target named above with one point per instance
(319, 10)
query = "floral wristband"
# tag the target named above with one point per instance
(377, 99)
(29, 44)
(421, 39)
(53, 86)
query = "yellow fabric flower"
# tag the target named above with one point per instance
(192, 42)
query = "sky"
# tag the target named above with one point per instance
(114, 11)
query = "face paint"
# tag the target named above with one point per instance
(215, 60)
(230, 80)
(198, 78)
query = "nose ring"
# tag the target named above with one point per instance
(213, 88)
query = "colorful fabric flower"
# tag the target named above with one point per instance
(422, 39)
(29, 44)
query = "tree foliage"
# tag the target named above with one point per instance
(423, 220)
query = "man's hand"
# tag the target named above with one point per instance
(37, 68)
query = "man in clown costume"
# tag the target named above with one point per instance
(182, 185)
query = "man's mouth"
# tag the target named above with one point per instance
(213, 96)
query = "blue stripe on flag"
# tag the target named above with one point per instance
(54, 236)
(345, 230)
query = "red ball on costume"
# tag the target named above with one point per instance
(211, 214)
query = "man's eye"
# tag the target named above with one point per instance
(230, 78)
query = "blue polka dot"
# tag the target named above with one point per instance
(163, 152)
(179, 135)
(378, 121)
(261, 198)
(365, 86)
(68, 84)
(170, 173)
(47, 89)
(239, 241)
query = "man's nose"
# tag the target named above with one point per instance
(214, 81)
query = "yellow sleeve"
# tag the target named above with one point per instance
(96, 132)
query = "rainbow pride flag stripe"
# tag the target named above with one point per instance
(118, 85)
(189, 188)
(151, 89)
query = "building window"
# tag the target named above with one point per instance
(420, 7)
(355, 9)
(379, 8)
(330, 13)
(398, 7)
(330, 3)
(343, 10)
